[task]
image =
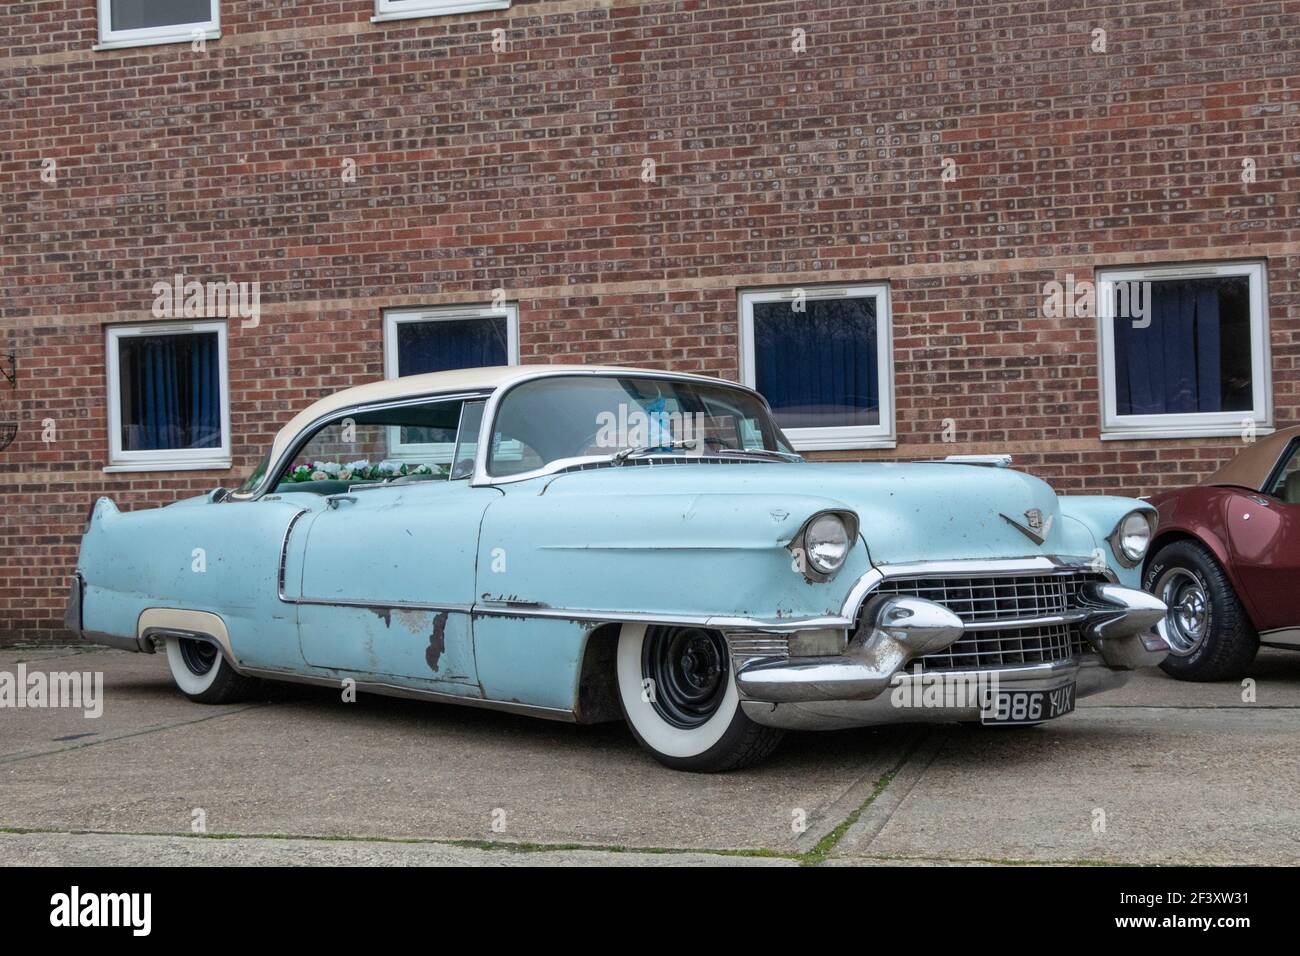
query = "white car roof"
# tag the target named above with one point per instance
(458, 380)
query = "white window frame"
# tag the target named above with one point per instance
(410, 9)
(165, 459)
(1193, 424)
(439, 451)
(835, 437)
(110, 39)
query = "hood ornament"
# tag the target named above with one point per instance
(1035, 528)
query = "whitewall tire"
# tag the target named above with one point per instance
(678, 694)
(203, 674)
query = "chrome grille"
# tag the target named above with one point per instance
(988, 599)
(747, 645)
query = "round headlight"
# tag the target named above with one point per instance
(1133, 536)
(827, 543)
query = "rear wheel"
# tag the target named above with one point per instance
(679, 696)
(203, 675)
(1210, 637)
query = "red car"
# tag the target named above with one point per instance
(1226, 560)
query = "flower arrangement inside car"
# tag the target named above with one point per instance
(361, 470)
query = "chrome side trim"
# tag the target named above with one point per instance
(284, 552)
(1281, 637)
(147, 637)
(395, 690)
(494, 609)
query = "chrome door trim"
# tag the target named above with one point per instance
(397, 690)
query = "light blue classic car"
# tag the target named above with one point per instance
(587, 543)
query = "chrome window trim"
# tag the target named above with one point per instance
(481, 476)
(310, 429)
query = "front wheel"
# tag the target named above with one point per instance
(1209, 634)
(203, 675)
(679, 697)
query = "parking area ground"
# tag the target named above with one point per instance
(1158, 772)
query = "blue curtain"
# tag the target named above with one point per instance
(818, 368)
(1174, 365)
(171, 392)
(437, 346)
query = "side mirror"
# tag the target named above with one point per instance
(217, 495)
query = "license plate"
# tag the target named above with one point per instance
(1028, 706)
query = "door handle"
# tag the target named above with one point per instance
(333, 501)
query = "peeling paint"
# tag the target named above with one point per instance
(437, 641)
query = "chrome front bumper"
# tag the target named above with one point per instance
(894, 630)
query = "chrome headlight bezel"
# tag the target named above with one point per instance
(1127, 555)
(802, 546)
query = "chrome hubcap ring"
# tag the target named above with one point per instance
(1188, 622)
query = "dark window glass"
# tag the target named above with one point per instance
(1194, 356)
(141, 14)
(170, 391)
(439, 345)
(818, 368)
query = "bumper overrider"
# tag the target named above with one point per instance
(853, 687)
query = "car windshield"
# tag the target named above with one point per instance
(581, 416)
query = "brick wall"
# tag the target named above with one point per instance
(521, 170)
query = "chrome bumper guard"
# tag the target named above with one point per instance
(895, 630)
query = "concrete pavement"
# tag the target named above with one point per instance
(1159, 772)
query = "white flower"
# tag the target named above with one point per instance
(390, 467)
(361, 464)
(318, 476)
(330, 468)
(344, 474)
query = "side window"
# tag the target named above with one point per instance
(471, 417)
(369, 447)
(1287, 484)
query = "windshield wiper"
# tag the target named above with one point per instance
(763, 453)
(626, 453)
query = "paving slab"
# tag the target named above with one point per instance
(137, 696)
(305, 763)
(98, 849)
(1275, 676)
(1145, 785)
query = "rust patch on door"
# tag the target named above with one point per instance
(437, 641)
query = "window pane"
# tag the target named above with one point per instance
(1287, 485)
(818, 368)
(596, 416)
(140, 14)
(467, 440)
(357, 449)
(170, 391)
(439, 345)
(1194, 356)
